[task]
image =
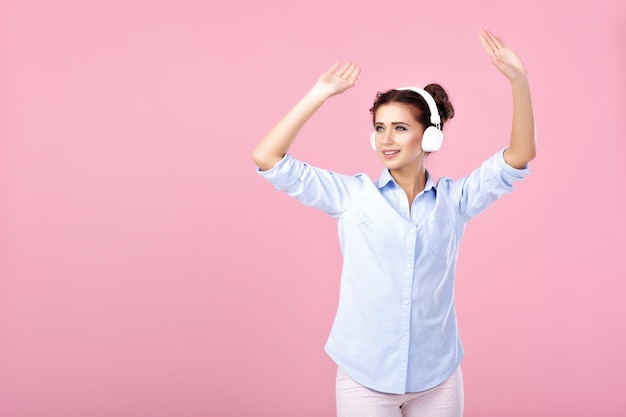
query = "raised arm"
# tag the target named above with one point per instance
(276, 143)
(522, 148)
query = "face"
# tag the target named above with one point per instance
(398, 137)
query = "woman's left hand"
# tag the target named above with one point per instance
(504, 58)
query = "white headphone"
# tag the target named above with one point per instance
(433, 135)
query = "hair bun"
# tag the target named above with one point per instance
(444, 106)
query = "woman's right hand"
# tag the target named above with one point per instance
(276, 143)
(337, 80)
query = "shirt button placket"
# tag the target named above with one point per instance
(407, 286)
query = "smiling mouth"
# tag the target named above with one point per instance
(390, 154)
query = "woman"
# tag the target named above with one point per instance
(395, 338)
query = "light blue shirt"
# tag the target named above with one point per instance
(396, 330)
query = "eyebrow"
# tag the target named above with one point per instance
(394, 123)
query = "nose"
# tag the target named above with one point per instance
(387, 137)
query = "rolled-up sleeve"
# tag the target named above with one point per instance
(316, 187)
(486, 184)
(508, 174)
(284, 174)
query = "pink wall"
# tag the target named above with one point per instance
(146, 270)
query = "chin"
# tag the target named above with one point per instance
(391, 164)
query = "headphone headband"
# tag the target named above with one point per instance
(432, 106)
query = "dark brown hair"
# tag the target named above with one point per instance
(417, 102)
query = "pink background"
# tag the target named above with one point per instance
(146, 270)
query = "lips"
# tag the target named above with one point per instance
(389, 154)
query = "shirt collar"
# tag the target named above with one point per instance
(385, 178)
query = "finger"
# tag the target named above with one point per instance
(498, 41)
(343, 69)
(352, 71)
(495, 39)
(491, 39)
(334, 67)
(356, 73)
(353, 75)
(484, 40)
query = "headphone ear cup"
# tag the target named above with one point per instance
(373, 140)
(432, 139)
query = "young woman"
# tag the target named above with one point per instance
(395, 337)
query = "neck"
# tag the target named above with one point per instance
(412, 182)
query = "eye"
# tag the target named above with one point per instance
(400, 128)
(378, 128)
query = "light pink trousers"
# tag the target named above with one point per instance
(444, 400)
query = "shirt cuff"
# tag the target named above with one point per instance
(508, 170)
(284, 174)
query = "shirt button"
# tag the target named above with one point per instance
(406, 302)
